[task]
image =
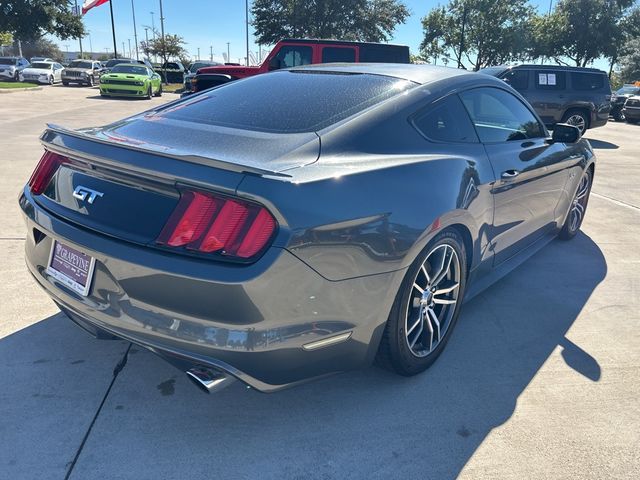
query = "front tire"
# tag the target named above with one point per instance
(50, 79)
(426, 307)
(66, 84)
(634, 121)
(149, 92)
(90, 81)
(159, 92)
(578, 207)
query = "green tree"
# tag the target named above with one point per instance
(630, 61)
(582, 30)
(42, 48)
(29, 19)
(478, 32)
(171, 47)
(363, 20)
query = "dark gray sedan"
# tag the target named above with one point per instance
(302, 222)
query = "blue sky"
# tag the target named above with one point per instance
(210, 23)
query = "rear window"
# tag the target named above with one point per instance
(287, 102)
(587, 81)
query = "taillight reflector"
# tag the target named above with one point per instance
(207, 223)
(47, 167)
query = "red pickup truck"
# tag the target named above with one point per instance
(295, 52)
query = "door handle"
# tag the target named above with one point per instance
(510, 174)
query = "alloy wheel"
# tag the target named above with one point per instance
(579, 204)
(577, 121)
(433, 300)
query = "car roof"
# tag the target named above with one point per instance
(421, 74)
(551, 67)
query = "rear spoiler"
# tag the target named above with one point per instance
(52, 131)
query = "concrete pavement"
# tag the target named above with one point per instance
(540, 379)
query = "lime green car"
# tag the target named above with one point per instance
(130, 80)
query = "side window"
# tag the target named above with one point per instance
(334, 54)
(587, 81)
(499, 116)
(293, 56)
(550, 80)
(518, 79)
(446, 121)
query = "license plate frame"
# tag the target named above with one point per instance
(71, 267)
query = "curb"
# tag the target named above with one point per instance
(13, 90)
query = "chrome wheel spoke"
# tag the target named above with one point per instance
(444, 267)
(449, 289)
(434, 296)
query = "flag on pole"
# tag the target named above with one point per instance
(89, 4)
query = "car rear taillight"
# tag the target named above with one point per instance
(207, 223)
(47, 167)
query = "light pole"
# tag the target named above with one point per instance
(123, 50)
(76, 11)
(146, 37)
(198, 57)
(164, 51)
(211, 53)
(129, 40)
(135, 33)
(90, 44)
(246, 17)
(228, 54)
(153, 26)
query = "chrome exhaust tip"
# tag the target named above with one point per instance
(208, 380)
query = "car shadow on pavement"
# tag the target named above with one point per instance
(602, 145)
(362, 424)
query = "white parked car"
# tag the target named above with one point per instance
(43, 72)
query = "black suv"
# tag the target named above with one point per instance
(577, 96)
(619, 98)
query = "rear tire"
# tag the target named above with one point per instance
(578, 207)
(413, 311)
(577, 118)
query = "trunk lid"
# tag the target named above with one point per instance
(135, 174)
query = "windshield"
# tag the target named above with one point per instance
(194, 68)
(495, 71)
(297, 101)
(132, 69)
(77, 64)
(7, 61)
(628, 91)
(45, 66)
(116, 61)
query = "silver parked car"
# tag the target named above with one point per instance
(10, 67)
(83, 72)
(43, 72)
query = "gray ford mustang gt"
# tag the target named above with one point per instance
(302, 222)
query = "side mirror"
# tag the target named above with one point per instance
(564, 133)
(274, 64)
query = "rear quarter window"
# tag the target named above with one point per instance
(446, 121)
(587, 81)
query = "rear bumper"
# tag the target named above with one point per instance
(254, 322)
